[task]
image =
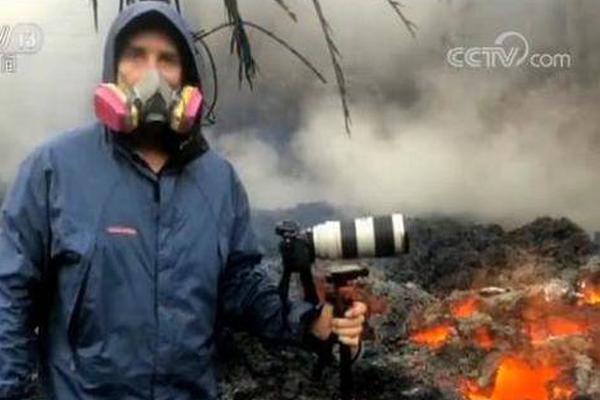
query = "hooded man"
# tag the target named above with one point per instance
(125, 245)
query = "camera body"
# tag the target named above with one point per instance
(379, 236)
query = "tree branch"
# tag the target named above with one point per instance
(201, 34)
(288, 11)
(335, 56)
(411, 26)
(95, 11)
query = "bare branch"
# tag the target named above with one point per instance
(288, 11)
(411, 26)
(335, 56)
(200, 35)
(95, 11)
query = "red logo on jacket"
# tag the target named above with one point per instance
(120, 230)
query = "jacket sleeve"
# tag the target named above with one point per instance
(251, 300)
(23, 234)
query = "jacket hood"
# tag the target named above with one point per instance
(136, 13)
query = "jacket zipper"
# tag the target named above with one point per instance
(155, 297)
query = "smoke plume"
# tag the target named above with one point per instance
(499, 144)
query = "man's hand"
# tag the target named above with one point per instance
(349, 329)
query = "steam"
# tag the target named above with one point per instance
(501, 145)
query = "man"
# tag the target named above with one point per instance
(129, 251)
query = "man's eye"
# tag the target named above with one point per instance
(170, 60)
(134, 54)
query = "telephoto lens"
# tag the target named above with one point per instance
(379, 236)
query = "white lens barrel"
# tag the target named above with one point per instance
(327, 239)
(381, 236)
(365, 236)
(400, 238)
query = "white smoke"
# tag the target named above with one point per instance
(500, 145)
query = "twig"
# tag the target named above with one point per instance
(200, 35)
(288, 11)
(411, 26)
(95, 11)
(335, 55)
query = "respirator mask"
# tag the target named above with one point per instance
(150, 101)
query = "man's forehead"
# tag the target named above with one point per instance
(152, 37)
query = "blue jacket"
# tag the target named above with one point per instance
(116, 280)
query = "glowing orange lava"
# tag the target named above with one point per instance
(590, 293)
(555, 327)
(434, 337)
(534, 358)
(517, 379)
(562, 392)
(483, 338)
(465, 308)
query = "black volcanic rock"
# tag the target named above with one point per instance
(445, 254)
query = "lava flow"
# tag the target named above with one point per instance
(465, 308)
(483, 338)
(517, 379)
(434, 337)
(555, 327)
(590, 292)
(524, 345)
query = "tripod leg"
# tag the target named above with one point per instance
(308, 284)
